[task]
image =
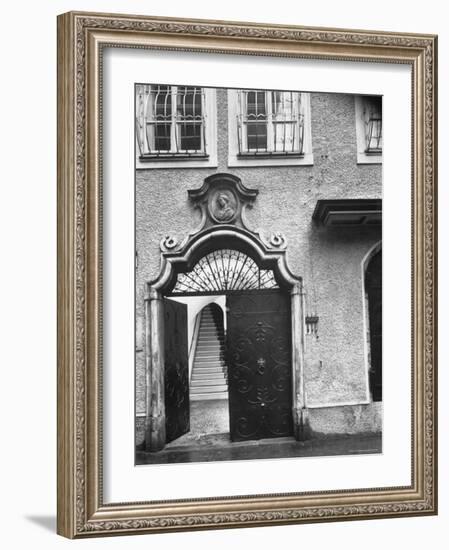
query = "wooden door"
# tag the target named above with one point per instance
(259, 365)
(176, 382)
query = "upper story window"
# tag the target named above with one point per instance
(270, 122)
(174, 124)
(269, 127)
(368, 111)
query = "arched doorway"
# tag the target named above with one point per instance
(373, 291)
(258, 344)
(265, 322)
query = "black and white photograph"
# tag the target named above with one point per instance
(258, 286)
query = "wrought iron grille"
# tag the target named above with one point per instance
(270, 123)
(223, 271)
(170, 121)
(372, 113)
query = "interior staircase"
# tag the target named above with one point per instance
(209, 374)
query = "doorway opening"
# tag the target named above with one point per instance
(373, 290)
(207, 396)
(236, 379)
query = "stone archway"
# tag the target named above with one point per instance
(217, 230)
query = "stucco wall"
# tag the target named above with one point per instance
(328, 259)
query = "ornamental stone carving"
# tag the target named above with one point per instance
(222, 205)
(222, 199)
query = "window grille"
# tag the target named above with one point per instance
(223, 271)
(270, 123)
(372, 114)
(170, 121)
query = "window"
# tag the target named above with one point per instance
(172, 124)
(369, 129)
(270, 122)
(268, 127)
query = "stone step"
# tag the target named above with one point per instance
(208, 396)
(208, 359)
(196, 384)
(208, 351)
(209, 375)
(209, 367)
(209, 388)
(210, 342)
(214, 375)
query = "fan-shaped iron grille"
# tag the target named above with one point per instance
(223, 271)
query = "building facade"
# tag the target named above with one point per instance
(288, 185)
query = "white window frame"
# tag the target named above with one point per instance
(195, 161)
(234, 159)
(362, 156)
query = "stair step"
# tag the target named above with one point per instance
(216, 373)
(209, 388)
(209, 380)
(206, 344)
(209, 375)
(210, 343)
(212, 373)
(209, 396)
(205, 366)
(199, 383)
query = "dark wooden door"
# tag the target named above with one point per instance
(373, 286)
(259, 365)
(177, 406)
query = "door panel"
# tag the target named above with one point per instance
(373, 286)
(177, 406)
(259, 365)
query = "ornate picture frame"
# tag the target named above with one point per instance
(82, 39)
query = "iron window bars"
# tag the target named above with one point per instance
(270, 123)
(225, 270)
(170, 122)
(372, 118)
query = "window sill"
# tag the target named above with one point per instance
(192, 160)
(268, 155)
(270, 159)
(369, 158)
(161, 157)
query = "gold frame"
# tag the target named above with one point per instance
(81, 37)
